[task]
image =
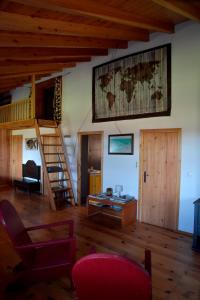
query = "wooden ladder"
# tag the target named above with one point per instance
(55, 165)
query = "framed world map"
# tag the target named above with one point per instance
(134, 86)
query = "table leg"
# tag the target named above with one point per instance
(129, 214)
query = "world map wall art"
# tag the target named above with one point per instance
(134, 86)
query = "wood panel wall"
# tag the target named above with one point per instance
(4, 156)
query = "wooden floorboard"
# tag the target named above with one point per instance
(175, 267)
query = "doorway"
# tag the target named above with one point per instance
(90, 170)
(159, 177)
(16, 157)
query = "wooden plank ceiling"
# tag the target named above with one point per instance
(46, 36)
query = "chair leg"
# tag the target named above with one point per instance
(148, 261)
(16, 283)
(15, 286)
(71, 283)
(19, 267)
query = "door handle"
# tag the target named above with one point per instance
(145, 176)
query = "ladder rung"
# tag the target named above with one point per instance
(58, 145)
(58, 189)
(58, 171)
(58, 180)
(55, 162)
(50, 135)
(53, 153)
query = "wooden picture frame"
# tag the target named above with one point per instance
(120, 144)
(134, 86)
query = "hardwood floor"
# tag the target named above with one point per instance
(175, 267)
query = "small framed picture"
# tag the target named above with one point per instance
(120, 144)
(31, 144)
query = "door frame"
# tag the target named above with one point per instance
(80, 134)
(141, 168)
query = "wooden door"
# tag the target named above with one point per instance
(159, 177)
(4, 156)
(16, 156)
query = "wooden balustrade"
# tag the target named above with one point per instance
(17, 111)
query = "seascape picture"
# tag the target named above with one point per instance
(120, 144)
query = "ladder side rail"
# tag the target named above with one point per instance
(50, 194)
(67, 162)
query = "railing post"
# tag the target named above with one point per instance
(33, 97)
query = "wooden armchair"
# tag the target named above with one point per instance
(39, 260)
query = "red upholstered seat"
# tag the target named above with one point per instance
(110, 277)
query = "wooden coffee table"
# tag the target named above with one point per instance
(126, 212)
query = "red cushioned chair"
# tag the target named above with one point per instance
(39, 260)
(111, 277)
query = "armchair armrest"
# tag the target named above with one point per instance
(70, 223)
(44, 244)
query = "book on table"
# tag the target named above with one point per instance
(100, 197)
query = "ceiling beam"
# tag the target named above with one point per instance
(24, 23)
(101, 11)
(21, 80)
(11, 86)
(64, 60)
(183, 8)
(4, 90)
(13, 80)
(34, 68)
(16, 39)
(48, 53)
(30, 73)
(10, 83)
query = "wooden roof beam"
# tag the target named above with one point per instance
(21, 39)
(24, 23)
(101, 11)
(18, 81)
(11, 86)
(183, 8)
(4, 90)
(41, 73)
(48, 53)
(34, 68)
(63, 60)
(13, 81)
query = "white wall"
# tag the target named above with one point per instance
(28, 154)
(31, 154)
(21, 93)
(77, 99)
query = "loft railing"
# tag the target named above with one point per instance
(18, 111)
